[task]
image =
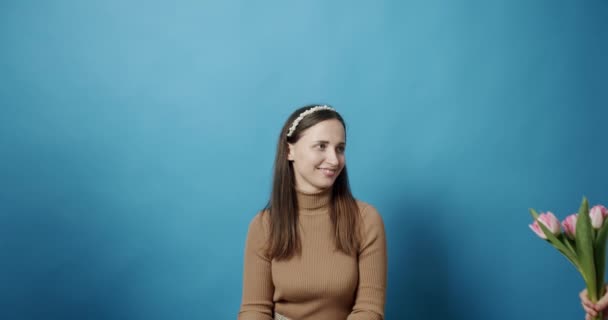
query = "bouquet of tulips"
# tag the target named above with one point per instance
(582, 242)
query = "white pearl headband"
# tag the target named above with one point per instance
(295, 123)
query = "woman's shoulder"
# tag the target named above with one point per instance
(261, 221)
(371, 225)
(369, 213)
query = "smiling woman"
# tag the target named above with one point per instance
(318, 156)
(314, 252)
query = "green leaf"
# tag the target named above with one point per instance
(584, 249)
(573, 262)
(600, 256)
(534, 214)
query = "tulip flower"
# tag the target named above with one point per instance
(569, 225)
(597, 214)
(550, 221)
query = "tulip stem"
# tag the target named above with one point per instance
(594, 297)
(569, 245)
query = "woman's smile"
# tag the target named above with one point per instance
(330, 173)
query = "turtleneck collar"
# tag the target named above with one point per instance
(312, 203)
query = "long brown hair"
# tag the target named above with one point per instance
(284, 241)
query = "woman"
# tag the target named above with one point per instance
(314, 252)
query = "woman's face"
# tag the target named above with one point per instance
(318, 156)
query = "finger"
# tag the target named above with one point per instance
(587, 317)
(590, 311)
(589, 304)
(602, 303)
(584, 297)
(585, 300)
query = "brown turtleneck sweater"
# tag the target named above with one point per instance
(322, 283)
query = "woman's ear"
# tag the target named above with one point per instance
(290, 152)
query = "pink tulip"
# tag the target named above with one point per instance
(569, 225)
(597, 215)
(550, 221)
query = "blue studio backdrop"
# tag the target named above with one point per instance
(137, 141)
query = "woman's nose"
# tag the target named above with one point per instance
(332, 158)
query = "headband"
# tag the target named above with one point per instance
(304, 114)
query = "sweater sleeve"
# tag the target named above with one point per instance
(370, 298)
(258, 288)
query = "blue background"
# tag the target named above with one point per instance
(137, 140)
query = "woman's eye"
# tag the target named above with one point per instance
(341, 149)
(322, 146)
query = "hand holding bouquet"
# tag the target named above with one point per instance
(582, 242)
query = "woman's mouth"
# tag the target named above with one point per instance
(328, 172)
